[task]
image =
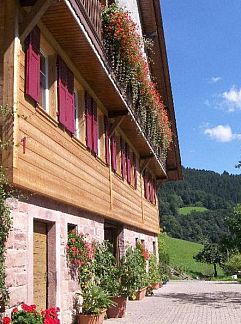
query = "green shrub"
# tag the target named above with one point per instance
(233, 265)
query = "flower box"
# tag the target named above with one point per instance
(119, 309)
(92, 318)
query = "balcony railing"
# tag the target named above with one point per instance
(93, 11)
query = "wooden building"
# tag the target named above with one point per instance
(80, 155)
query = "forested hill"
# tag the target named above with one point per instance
(195, 208)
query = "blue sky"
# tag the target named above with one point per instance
(203, 40)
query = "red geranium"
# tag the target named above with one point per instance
(124, 46)
(6, 320)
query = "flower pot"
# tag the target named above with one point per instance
(92, 318)
(117, 311)
(155, 285)
(140, 294)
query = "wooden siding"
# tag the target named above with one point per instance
(59, 166)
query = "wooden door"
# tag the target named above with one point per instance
(40, 264)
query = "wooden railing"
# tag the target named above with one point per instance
(93, 11)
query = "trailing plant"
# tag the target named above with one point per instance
(124, 48)
(6, 113)
(29, 314)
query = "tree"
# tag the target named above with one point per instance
(234, 225)
(210, 254)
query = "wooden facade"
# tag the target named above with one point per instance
(46, 159)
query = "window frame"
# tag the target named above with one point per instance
(44, 105)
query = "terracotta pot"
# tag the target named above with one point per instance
(140, 294)
(92, 319)
(155, 286)
(117, 311)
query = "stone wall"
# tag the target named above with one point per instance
(19, 260)
(130, 235)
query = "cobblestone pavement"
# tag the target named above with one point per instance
(187, 302)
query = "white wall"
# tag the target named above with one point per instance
(132, 7)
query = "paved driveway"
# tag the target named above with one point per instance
(187, 302)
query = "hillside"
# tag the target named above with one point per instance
(195, 209)
(181, 256)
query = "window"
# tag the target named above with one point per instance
(118, 154)
(154, 248)
(72, 228)
(43, 81)
(101, 135)
(113, 152)
(149, 187)
(91, 124)
(76, 113)
(114, 234)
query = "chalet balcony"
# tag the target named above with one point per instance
(77, 27)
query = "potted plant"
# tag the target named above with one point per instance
(109, 275)
(154, 272)
(95, 303)
(138, 278)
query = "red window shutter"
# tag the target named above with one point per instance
(155, 193)
(135, 172)
(88, 118)
(94, 128)
(107, 141)
(70, 110)
(122, 144)
(66, 96)
(113, 152)
(32, 75)
(145, 184)
(151, 191)
(128, 164)
(147, 187)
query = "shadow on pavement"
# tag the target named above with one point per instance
(216, 300)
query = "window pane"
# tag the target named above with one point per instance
(43, 81)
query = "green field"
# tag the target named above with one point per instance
(188, 210)
(181, 256)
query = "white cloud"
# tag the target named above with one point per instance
(232, 99)
(214, 79)
(222, 133)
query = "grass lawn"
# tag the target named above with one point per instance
(181, 255)
(188, 210)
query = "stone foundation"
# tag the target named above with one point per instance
(19, 260)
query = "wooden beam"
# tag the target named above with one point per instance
(33, 17)
(116, 124)
(147, 157)
(144, 164)
(118, 113)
